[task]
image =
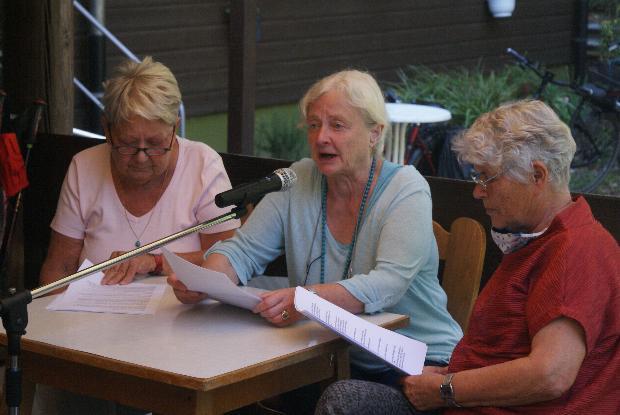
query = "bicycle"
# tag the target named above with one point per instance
(594, 123)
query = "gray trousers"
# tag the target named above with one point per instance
(358, 397)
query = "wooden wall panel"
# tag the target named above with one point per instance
(301, 41)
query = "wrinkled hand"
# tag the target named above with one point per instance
(274, 303)
(125, 272)
(423, 390)
(182, 293)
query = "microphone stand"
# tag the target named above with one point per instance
(14, 312)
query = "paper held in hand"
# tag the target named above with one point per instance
(216, 284)
(399, 351)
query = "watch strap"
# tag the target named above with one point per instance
(446, 391)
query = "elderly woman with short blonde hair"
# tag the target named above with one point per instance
(356, 229)
(144, 183)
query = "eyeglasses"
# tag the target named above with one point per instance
(481, 180)
(309, 265)
(149, 151)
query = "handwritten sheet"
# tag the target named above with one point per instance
(87, 294)
(216, 284)
(400, 351)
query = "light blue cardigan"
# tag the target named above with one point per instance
(394, 263)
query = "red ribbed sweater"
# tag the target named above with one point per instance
(572, 270)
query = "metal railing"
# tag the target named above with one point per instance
(125, 51)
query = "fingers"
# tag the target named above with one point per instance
(189, 297)
(182, 293)
(421, 390)
(125, 272)
(278, 308)
(120, 274)
(175, 283)
(286, 317)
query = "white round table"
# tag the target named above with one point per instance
(401, 115)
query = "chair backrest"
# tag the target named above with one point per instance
(462, 250)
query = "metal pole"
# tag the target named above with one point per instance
(123, 49)
(581, 41)
(234, 214)
(96, 63)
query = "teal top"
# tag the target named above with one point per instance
(394, 263)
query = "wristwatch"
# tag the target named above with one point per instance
(447, 391)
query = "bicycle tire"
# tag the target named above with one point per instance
(597, 135)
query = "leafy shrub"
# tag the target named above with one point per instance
(279, 136)
(468, 93)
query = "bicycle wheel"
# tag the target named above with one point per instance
(598, 141)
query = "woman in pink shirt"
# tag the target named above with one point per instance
(144, 183)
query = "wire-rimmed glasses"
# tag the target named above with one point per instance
(126, 150)
(481, 180)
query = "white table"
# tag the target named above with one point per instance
(203, 359)
(401, 116)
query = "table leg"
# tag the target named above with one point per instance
(388, 145)
(402, 130)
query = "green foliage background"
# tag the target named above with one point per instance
(468, 93)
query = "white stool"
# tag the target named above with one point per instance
(401, 115)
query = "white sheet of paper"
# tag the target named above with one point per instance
(88, 294)
(400, 351)
(216, 284)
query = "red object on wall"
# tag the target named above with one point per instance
(13, 177)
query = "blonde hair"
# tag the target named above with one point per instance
(513, 136)
(147, 89)
(361, 91)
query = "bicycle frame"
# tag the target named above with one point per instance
(594, 123)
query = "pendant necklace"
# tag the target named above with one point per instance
(138, 242)
(347, 272)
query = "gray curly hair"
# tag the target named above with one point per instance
(513, 136)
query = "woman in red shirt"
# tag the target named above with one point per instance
(544, 334)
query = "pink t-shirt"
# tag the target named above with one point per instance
(89, 207)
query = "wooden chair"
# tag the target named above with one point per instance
(462, 250)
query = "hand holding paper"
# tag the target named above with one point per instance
(400, 351)
(216, 284)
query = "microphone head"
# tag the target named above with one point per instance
(287, 177)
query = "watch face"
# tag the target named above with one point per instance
(445, 389)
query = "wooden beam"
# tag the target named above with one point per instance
(38, 59)
(242, 76)
(60, 87)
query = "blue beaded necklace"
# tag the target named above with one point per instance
(346, 273)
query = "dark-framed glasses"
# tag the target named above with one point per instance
(482, 180)
(126, 150)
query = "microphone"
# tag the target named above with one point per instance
(279, 180)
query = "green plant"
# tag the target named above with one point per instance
(607, 13)
(610, 35)
(279, 136)
(468, 93)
